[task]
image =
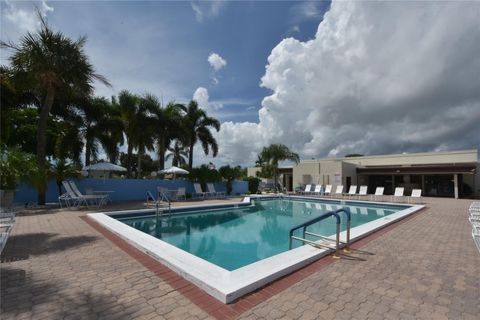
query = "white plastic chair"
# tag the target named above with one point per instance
(198, 191)
(211, 189)
(339, 191)
(398, 193)
(181, 194)
(378, 193)
(362, 192)
(352, 191)
(307, 190)
(318, 190)
(416, 194)
(328, 190)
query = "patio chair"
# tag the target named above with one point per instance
(307, 190)
(378, 193)
(352, 191)
(363, 191)
(328, 190)
(98, 200)
(416, 194)
(476, 237)
(318, 190)
(338, 191)
(398, 193)
(211, 189)
(181, 194)
(198, 191)
(70, 198)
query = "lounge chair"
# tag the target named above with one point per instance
(378, 193)
(97, 200)
(70, 198)
(398, 193)
(211, 189)
(181, 194)
(476, 237)
(338, 191)
(352, 191)
(362, 192)
(328, 190)
(318, 190)
(416, 194)
(307, 190)
(198, 191)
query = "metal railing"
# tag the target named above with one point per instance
(318, 219)
(161, 199)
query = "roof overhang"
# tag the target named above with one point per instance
(464, 168)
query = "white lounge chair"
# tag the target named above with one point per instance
(198, 191)
(328, 190)
(378, 193)
(352, 191)
(416, 194)
(211, 189)
(70, 198)
(338, 191)
(307, 190)
(476, 237)
(181, 194)
(398, 193)
(363, 191)
(318, 190)
(97, 200)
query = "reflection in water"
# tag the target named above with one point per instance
(233, 238)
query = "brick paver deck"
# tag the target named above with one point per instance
(56, 266)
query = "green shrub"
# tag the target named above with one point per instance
(253, 183)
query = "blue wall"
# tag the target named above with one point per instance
(125, 189)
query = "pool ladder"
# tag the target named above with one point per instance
(162, 199)
(331, 244)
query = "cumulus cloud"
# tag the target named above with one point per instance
(377, 78)
(206, 9)
(19, 17)
(216, 61)
(203, 99)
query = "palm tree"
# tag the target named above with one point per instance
(196, 126)
(273, 154)
(50, 63)
(166, 127)
(145, 125)
(178, 154)
(127, 105)
(99, 127)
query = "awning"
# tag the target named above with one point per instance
(464, 168)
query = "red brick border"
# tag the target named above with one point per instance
(211, 305)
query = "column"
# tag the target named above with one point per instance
(455, 185)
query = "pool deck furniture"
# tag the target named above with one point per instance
(415, 196)
(352, 192)
(7, 221)
(328, 190)
(307, 189)
(378, 196)
(318, 190)
(198, 192)
(97, 200)
(398, 195)
(338, 191)
(181, 194)
(362, 192)
(213, 192)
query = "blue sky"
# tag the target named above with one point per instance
(162, 47)
(324, 78)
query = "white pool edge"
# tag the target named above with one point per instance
(228, 286)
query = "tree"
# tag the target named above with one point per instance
(167, 128)
(230, 174)
(62, 170)
(127, 105)
(196, 124)
(272, 155)
(49, 64)
(178, 154)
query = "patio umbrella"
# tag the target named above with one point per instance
(174, 170)
(105, 167)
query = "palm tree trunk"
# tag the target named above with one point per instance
(88, 149)
(190, 156)
(161, 152)
(129, 160)
(42, 138)
(139, 163)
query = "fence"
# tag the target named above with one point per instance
(124, 189)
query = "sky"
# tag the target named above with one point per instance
(324, 78)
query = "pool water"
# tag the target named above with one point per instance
(235, 237)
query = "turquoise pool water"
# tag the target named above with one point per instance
(235, 237)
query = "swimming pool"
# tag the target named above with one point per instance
(229, 250)
(235, 237)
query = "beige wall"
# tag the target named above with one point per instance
(317, 172)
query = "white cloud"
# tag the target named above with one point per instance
(19, 17)
(206, 9)
(377, 78)
(203, 99)
(216, 61)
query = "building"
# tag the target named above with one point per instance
(438, 174)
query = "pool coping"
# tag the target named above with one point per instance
(228, 286)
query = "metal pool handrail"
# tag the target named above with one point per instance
(318, 219)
